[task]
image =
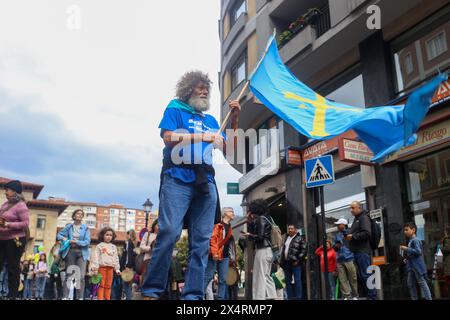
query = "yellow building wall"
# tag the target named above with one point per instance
(251, 8)
(48, 235)
(252, 53)
(226, 25)
(226, 85)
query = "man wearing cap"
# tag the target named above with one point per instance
(345, 266)
(14, 220)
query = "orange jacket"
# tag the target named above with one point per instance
(216, 243)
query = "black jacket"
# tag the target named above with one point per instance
(128, 258)
(261, 231)
(296, 251)
(361, 231)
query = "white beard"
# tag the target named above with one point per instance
(199, 104)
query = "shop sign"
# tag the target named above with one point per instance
(293, 157)
(442, 94)
(326, 146)
(379, 261)
(355, 152)
(426, 138)
(233, 188)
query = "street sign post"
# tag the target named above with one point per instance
(233, 188)
(320, 172)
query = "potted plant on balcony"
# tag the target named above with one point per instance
(284, 37)
(296, 26)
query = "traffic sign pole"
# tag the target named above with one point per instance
(320, 172)
(324, 243)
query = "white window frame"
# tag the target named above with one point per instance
(434, 55)
(409, 65)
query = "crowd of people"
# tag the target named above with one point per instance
(106, 273)
(188, 199)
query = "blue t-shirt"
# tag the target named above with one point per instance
(182, 121)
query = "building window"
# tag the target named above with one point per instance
(40, 224)
(36, 246)
(418, 54)
(409, 67)
(351, 92)
(436, 46)
(269, 136)
(239, 71)
(239, 9)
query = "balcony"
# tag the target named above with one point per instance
(304, 29)
(289, 10)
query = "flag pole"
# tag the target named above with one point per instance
(225, 121)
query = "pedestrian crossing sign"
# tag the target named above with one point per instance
(319, 171)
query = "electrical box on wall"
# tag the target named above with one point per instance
(368, 178)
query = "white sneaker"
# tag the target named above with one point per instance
(345, 298)
(355, 298)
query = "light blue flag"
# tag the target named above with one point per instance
(384, 129)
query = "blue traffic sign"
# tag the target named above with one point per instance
(319, 171)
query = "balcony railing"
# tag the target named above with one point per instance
(320, 22)
(323, 23)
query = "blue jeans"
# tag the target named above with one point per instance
(40, 287)
(127, 286)
(363, 261)
(332, 282)
(175, 199)
(222, 269)
(27, 289)
(293, 291)
(413, 279)
(4, 282)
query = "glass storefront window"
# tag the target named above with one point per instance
(428, 181)
(339, 196)
(428, 175)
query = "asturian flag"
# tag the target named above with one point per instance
(384, 129)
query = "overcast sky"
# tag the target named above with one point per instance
(79, 108)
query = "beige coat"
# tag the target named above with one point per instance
(147, 245)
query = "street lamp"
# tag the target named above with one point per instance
(147, 209)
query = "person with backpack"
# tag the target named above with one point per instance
(219, 252)
(360, 237)
(260, 231)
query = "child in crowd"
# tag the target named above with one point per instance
(41, 273)
(416, 269)
(105, 260)
(332, 262)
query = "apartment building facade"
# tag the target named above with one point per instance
(331, 46)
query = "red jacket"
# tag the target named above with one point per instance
(217, 242)
(332, 260)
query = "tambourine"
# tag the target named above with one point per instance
(233, 276)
